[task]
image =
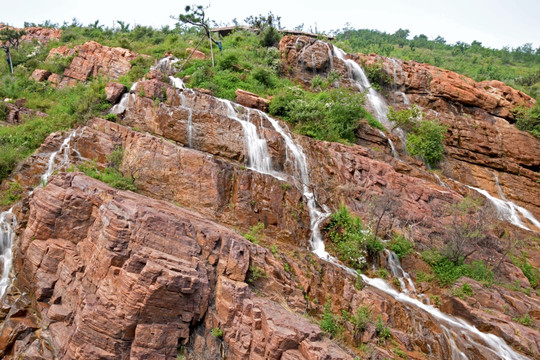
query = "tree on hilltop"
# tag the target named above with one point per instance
(10, 38)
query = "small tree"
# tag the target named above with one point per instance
(195, 15)
(10, 38)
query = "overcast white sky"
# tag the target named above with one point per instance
(495, 23)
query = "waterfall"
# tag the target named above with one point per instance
(491, 343)
(125, 101)
(375, 100)
(64, 149)
(8, 223)
(507, 210)
(362, 83)
(8, 220)
(398, 272)
(391, 143)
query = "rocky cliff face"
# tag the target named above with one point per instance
(109, 274)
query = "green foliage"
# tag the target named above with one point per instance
(401, 246)
(425, 137)
(217, 332)
(383, 273)
(532, 273)
(329, 322)
(109, 175)
(12, 194)
(361, 319)
(348, 239)
(377, 77)
(528, 119)
(331, 115)
(463, 291)
(285, 186)
(383, 332)
(66, 108)
(255, 233)
(427, 142)
(256, 273)
(524, 320)
(57, 64)
(518, 67)
(448, 272)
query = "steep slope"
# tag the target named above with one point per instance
(103, 273)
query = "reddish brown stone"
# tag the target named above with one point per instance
(113, 91)
(195, 54)
(40, 75)
(251, 100)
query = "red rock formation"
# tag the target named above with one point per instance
(41, 34)
(113, 91)
(494, 97)
(40, 75)
(94, 59)
(251, 100)
(195, 54)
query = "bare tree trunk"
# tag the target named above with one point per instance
(211, 51)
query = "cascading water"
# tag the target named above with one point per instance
(8, 223)
(8, 220)
(64, 149)
(257, 150)
(361, 81)
(375, 100)
(507, 210)
(399, 273)
(260, 161)
(391, 143)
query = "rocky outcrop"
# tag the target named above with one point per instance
(113, 91)
(482, 148)
(494, 97)
(195, 54)
(251, 100)
(17, 113)
(40, 75)
(150, 279)
(93, 59)
(41, 34)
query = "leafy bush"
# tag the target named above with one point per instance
(425, 137)
(401, 246)
(328, 322)
(524, 320)
(463, 291)
(110, 175)
(217, 332)
(383, 332)
(362, 318)
(532, 273)
(255, 233)
(348, 239)
(377, 77)
(331, 115)
(12, 194)
(448, 272)
(528, 119)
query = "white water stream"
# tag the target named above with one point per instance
(259, 160)
(8, 223)
(8, 220)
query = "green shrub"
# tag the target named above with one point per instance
(524, 320)
(256, 273)
(12, 194)
(328, 321)
(425, 137)
(401, 246)
(383, 332)
(331, 115)
(448, 272)
(463, 291)
(532, 273)
(377, 77)
(528, 119)
(361, 319)
(348, 239)
(255, 233)
(217, 332)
